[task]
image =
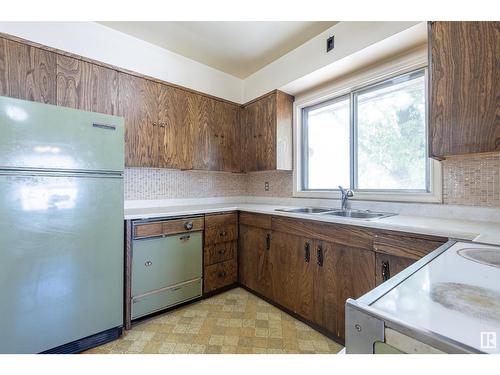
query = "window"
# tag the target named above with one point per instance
(372, 139)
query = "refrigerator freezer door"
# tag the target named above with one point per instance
(61, 259)
(41, 136)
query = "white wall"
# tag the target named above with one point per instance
(104, 44)
(350, 38)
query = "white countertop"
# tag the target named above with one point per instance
(477, 231)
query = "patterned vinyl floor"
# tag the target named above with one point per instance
(232, 322)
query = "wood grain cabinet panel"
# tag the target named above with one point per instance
(173, 126)
(254, 263)
(388, 266)
(292, 277)
(86, 86)
(27, 72)
(220, 252)
(464, 88)
(138, 105)
(220, 275)
(267, 130)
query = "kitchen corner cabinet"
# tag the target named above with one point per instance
(267, 130)
(464, 88)
(86, 86)
(27, 72)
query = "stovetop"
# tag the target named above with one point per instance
(456, 295)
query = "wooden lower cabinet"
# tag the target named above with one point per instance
(291, 272)
(388, 266)
(254, 263)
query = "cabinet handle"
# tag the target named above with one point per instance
(188, 225)
(148, 263)
(222, 274)
(154, 124)
(185, 238)
(222, 251)
(386, 271)
(222, 233)
(319, 256)
(268, 242)
(307, 252)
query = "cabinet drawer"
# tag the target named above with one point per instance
(402, 246)
(218, 220)
(165, 298)
(255, 220)
(223, 233)
(219, 252)
(168, 227)
(164, 261)
(220, 275)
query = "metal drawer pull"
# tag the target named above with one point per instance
(268, 241)
(386, 271)
(223, 233)
(148, 263)
(222, 274)
(188, 225)
(307, 252)
(319, 254)
(184, 238)
(222, 251)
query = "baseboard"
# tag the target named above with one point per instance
(88, 342)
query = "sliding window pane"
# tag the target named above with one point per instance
(391, 140)
(326, 149)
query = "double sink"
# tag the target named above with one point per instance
(351, 214)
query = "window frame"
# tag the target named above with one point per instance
(349, 88)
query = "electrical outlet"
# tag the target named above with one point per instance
(266, 186)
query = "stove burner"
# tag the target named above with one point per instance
(475, 301)
(486, 256)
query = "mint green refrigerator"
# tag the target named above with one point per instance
(61, 228)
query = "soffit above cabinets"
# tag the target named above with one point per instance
(238, 48)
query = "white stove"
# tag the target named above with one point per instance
(448, 302)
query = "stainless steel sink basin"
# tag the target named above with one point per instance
(351, 214)
(356, 214)
(306, 210)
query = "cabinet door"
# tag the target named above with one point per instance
(228, 136)
(86, 86)
(325, 285)
(355, 276)
(254, 265)
(201, 111)
(292, 272)
(173, 121)
(464, 88)
(389, 265)
(266, 133)
(249, 130)
(138, 105)
(27, 72)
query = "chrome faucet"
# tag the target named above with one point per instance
(346, 194)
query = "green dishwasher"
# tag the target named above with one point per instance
(166, 271)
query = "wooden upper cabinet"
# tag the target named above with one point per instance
(86, 86)
(215, 134)
(138, 104)
(267, 130)
(173, 128)
(464, 88)
(27, 72)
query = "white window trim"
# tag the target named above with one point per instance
(403, 64)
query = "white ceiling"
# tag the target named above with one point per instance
(237, 48)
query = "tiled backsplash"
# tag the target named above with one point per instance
(472, 181)
(152, 183)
